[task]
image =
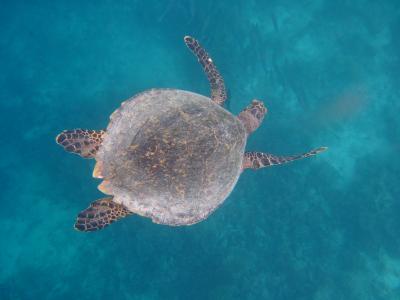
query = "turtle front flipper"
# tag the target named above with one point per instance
(81, 141)
(218, 91)
(256, 160)
(100, 214)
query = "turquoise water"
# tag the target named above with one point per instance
(321, 228)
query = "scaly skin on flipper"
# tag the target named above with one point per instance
(218, 91)
(81, 141)
(100, 214)
(256, 160)
(253, 115)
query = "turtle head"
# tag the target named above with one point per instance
(253, 115)
(257, 109)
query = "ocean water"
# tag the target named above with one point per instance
(317, 229)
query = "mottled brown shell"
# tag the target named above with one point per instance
(171, 155)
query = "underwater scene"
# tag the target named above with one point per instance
(320, 228)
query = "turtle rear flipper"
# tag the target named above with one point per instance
(81, 141)
(100, 214)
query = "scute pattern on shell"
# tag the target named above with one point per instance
(172, 155)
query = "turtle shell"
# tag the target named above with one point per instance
(171, 155)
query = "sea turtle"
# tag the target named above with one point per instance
(169, 154)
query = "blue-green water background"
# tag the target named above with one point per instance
(322, 228)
